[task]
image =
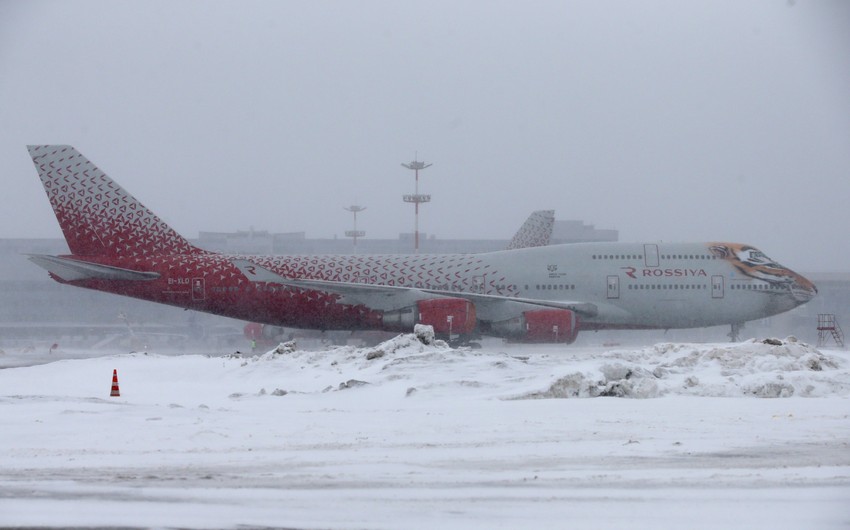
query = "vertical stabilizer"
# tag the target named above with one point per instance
(97, 216)
(535, 232)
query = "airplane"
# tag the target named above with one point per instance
(541, 294)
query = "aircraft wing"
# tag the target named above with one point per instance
(495, 307)
(389, 297)
(381, 297)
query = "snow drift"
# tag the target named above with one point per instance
(412, 433)
(768, 369)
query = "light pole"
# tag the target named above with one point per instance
(355, 233)
(416, 198)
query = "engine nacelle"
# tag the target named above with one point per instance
(263, 332)
(448, 316)
(541, 325)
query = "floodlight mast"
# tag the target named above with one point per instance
(416, 199)
(355, 233)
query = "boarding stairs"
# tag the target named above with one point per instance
(828, 328)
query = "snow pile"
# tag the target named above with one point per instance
(416, 364)
(418, 368)
(770, 368)
(413, 357)
(272, 440)
(615, 380)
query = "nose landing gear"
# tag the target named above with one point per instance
(735, 333)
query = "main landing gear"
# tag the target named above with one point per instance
(465, 341)
(735, 333)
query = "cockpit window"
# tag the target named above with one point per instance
(754, 256)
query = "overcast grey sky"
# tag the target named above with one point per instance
(671, 121)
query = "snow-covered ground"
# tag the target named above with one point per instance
(408, 435)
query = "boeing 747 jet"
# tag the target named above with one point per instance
(527, 293)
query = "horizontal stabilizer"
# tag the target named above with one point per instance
(70, 270)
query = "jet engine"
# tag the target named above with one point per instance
(541, 325)
(264, 332)
(448, 316)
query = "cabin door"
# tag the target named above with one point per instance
(717, 284)
(613, 287)
(198, 291)
(650, 255)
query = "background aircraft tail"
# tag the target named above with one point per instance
(97, 216)
(535, 232)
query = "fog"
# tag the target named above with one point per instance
(667, 121)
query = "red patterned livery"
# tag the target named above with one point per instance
(539, 294)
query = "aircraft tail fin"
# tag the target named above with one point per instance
(97, 216)
(535, 232)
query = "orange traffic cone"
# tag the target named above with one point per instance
(114, 392)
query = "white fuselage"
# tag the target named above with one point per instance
(677, 285)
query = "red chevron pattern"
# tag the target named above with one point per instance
(97, 216)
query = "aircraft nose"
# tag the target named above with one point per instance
(803, 289)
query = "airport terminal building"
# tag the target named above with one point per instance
(294, 243)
